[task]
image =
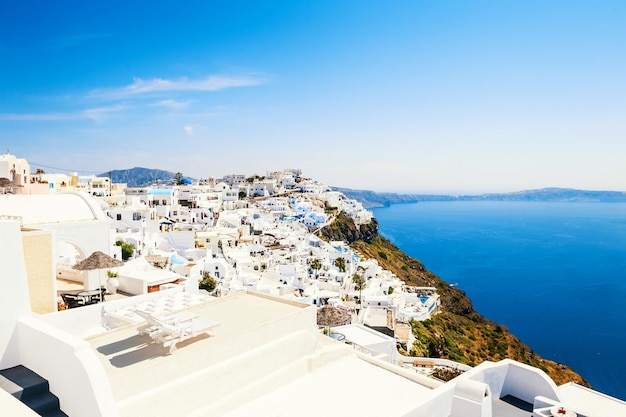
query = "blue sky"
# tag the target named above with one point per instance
(415, 96)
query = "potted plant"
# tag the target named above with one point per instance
(113, 282)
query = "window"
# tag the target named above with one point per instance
(119, 217)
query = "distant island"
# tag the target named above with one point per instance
(139, 177)
(371, 199)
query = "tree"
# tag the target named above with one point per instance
(242, 195)
(316, 265)
(127, 249)
(208, 283)
(341, 264)
(178, 178)
(359, 284)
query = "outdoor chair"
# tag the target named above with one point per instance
(72, 300)
(170, 330)
(97, 298)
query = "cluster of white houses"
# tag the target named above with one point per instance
(255, 236)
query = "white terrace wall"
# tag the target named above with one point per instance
(14, 296)
(70, 366)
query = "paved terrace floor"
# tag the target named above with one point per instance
(135, 365)
(345, 387)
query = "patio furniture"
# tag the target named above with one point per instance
(73, 300)
(176, 328)
(152, 327)
(92, 296)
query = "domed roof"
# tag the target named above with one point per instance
(51, 208)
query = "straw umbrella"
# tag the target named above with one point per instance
(97, 260)
(329, 316)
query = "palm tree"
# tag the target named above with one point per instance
(316, 265)
(359, 284)
(341, 264)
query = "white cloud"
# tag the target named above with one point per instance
(159, 85)
(37, 117)
(189, 129)
(173, 104)
(98, 115)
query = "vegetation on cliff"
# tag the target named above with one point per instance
(459, 332)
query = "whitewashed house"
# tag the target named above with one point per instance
(16, 170)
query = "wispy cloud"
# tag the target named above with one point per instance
(173, 104)
(142, 87)
(189, 129)
(41, 116)
(98, 115)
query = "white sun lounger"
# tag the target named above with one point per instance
(175, 328)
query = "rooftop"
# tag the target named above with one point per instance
(51, 208)
(346, 387)
(140, 372)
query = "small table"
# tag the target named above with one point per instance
(560, 411)
(88, 296)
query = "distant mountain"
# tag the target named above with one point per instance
(371, 199)
(140, 177)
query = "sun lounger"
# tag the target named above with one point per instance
(173, 329)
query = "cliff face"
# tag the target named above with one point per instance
(343, 228)
(459, 332)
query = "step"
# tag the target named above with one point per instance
(22, 383)
(31, 389)
(43, 404)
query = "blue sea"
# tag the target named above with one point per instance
(553, 273)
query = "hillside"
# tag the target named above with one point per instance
(371, 199)
(458, 333)
(139, 177)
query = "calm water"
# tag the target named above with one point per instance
(554, 273)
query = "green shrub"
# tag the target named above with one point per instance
(127, 249)
(208, 283)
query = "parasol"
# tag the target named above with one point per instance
(97, 260)
(328, 316)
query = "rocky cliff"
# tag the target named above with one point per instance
(459, 332)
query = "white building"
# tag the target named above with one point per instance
(17, 173)
(62, 229)
(266, 358)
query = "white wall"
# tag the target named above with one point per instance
(509, 377)
(14, 298)
(70, 366)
